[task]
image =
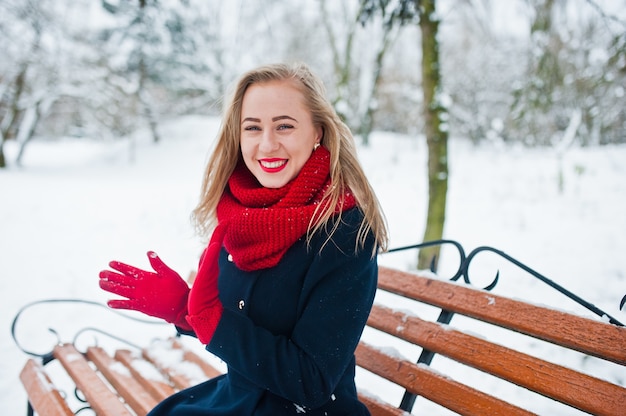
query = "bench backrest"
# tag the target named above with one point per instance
(543, 376)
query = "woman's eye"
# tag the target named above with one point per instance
(251, 128)
(285, 127)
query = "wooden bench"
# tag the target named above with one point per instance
(128, 383)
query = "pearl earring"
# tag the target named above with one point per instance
(315, 146)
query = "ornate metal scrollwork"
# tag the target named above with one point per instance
(48, 356)
(465, 261)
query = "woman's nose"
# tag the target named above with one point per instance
(268, 142)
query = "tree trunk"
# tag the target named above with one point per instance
(367, 121)
(342, 62)
(142, 92)
(10, 121)
(436, 136)
(3, 161)
(28, 125)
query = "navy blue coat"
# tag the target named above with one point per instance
(288, 333)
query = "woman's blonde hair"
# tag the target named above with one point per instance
(345, 169)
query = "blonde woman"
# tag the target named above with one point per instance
(287, 280)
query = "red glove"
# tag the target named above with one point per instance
(205, 308)
(162, 294)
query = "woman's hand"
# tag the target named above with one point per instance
(162, 293)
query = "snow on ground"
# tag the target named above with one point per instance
(76, 204)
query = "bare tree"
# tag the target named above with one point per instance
(388, 31)
(434, 111)
(341, 44)
(30, 91)
(574, 65)
(358, 78)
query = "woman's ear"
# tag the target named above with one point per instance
(320, 134)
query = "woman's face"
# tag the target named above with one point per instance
(277, 133)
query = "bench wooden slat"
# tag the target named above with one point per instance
(43, 396)
(379, 408)
(179, 381)
(574, 332)
(179, 363)
(120, 377)
(97, 393)
(159, 388)
(190, 356)
(585, 392)
(435, 387)
(168, 366)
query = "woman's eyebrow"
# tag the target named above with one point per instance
(284, 117)
(258, 120)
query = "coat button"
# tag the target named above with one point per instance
(230, 258)
(241, 304)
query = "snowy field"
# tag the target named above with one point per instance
(75, 205)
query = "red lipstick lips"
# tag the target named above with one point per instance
(272, 165)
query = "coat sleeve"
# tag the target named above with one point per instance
(307, 366)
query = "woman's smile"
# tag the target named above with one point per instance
(273, 165)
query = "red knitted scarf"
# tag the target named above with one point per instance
(258, 225)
